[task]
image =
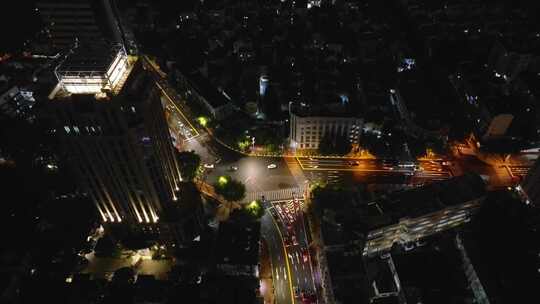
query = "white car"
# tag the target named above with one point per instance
(209, 166)
(271, 166)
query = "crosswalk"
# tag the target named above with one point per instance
(275, 195)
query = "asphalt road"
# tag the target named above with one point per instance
(349, 171)
(280, 272)
(292, 271)
(254, 173)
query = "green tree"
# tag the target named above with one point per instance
(325, 145)
(342, 145)
(339, 144)
(231, 189)
(255, 209)
(189, 163)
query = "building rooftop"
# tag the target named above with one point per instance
(214, 97)
(238, 243)
(433, 274)
(131, 85)
(88, 58)
(420, 201)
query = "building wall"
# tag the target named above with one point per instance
(16, 103)
(123, 155)
(306, 132)
(531, 184)
(409, 230)
(86, 20)
(189, 92)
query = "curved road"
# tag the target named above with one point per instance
(287, 237)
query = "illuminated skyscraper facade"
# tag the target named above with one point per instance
(88, 21)
(118, 143)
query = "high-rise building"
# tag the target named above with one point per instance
(86, 21)
(112, 131)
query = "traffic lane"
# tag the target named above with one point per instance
(171, 94)
(302, 276)
(303, 259)
(283, 291)
(348, 165)
(167, 100)
(302, 271)
(177, 118)
(302, 263)
(377, 171)
(295, 276)
(255, 174)
(276, 252)
(207, 154)
(369, 165)
(336, 162)
(433, 166)
(350, 178)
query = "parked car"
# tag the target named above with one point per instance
(209, 166)
(272, 166)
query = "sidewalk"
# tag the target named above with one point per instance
(267, 285)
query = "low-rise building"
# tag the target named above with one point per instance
(198, 88)
(17, 102)
(414, 214)
(306, 132)
(238, 245)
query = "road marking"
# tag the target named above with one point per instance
(177, 108)
(286, 260)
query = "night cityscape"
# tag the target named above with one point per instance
(270, 151)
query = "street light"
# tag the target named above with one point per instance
(253, 204)
(203, 121)
(222, 180)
